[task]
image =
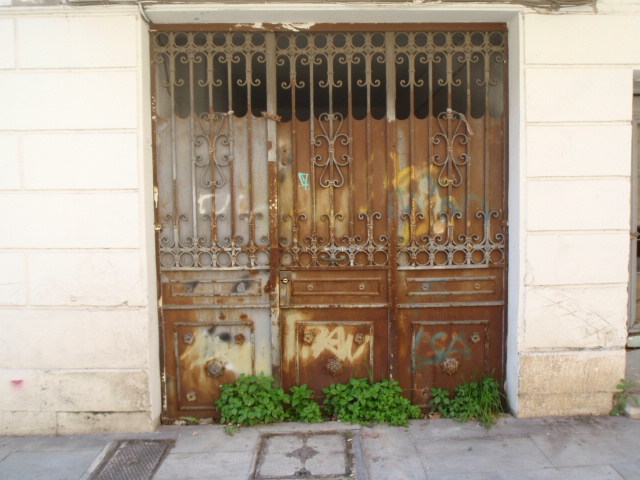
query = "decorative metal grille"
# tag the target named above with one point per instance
(212, 177)
(335, 186)
(335, 81)
(450, 84)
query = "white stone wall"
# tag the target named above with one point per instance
(78, 321)
(576, 165)
(77, 309)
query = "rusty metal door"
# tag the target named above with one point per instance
(329, 205)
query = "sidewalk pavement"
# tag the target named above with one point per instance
(580, 448)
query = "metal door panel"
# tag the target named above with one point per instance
(442, 286)
(360, 287)
(332, 345)
(449, 346)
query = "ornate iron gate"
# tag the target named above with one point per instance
(329, 205)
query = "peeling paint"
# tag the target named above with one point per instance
(296, 27)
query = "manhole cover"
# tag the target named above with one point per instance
(322, 455)
(133, 460)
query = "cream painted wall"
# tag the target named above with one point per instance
(577, 163)
(77, 295)
(79, 342)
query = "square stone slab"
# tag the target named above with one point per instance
(312, 455)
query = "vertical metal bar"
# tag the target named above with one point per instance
(329, 58)
(249, 80)
(212, 150)
(487, 114)
(294, 145)
(274, 259)
(430, 118)
(174, 152)
(192, 157)
(368, 58)
(312, 173)
(232, 199)
(352, 214)
(467, 167)
(392, 167)
(411, 57)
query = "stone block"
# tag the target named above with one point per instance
(33, 338)
(7, 40)
(96, 390)
(77, 41)
(22, 422)
(22, 390)
(578, 150)
(559, 94)
(98, 278)
(80, 161)
(575, 317)
(569, 259)
(578, 204)
(83, 423)
(9, 158)
(563, 405)
(585, 39)
(12, 281)
(561, 374)
(70, 220)
(74, 100)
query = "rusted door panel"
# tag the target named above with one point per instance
(331, 345)
(236, 287)
(449, 346)
(302, 287)
(209, 347)
(446, 286)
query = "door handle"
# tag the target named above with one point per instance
(285, 280)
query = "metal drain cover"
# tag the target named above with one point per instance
(133, 460)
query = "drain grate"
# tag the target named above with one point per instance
(133, 460)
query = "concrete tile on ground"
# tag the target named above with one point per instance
(629, 471)
(382, 441)
(58, 465)
(49, 443)
(283, 444)
(443, 428)
(602, 472)
(394, 467)
(195, 466)
(279, 465)
(286, 427)
(327, 464)
(605, 447)
(327, 443)
(7, 445)
(212, 439)
(481, 455)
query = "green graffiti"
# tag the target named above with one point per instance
(457, 345)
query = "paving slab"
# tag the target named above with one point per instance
(574, 473)
(605, 447)
(310, 454)
(209, 465)
(482, 455)
(394, 467)
(629, 471)
(59, 465)
(213, 438)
